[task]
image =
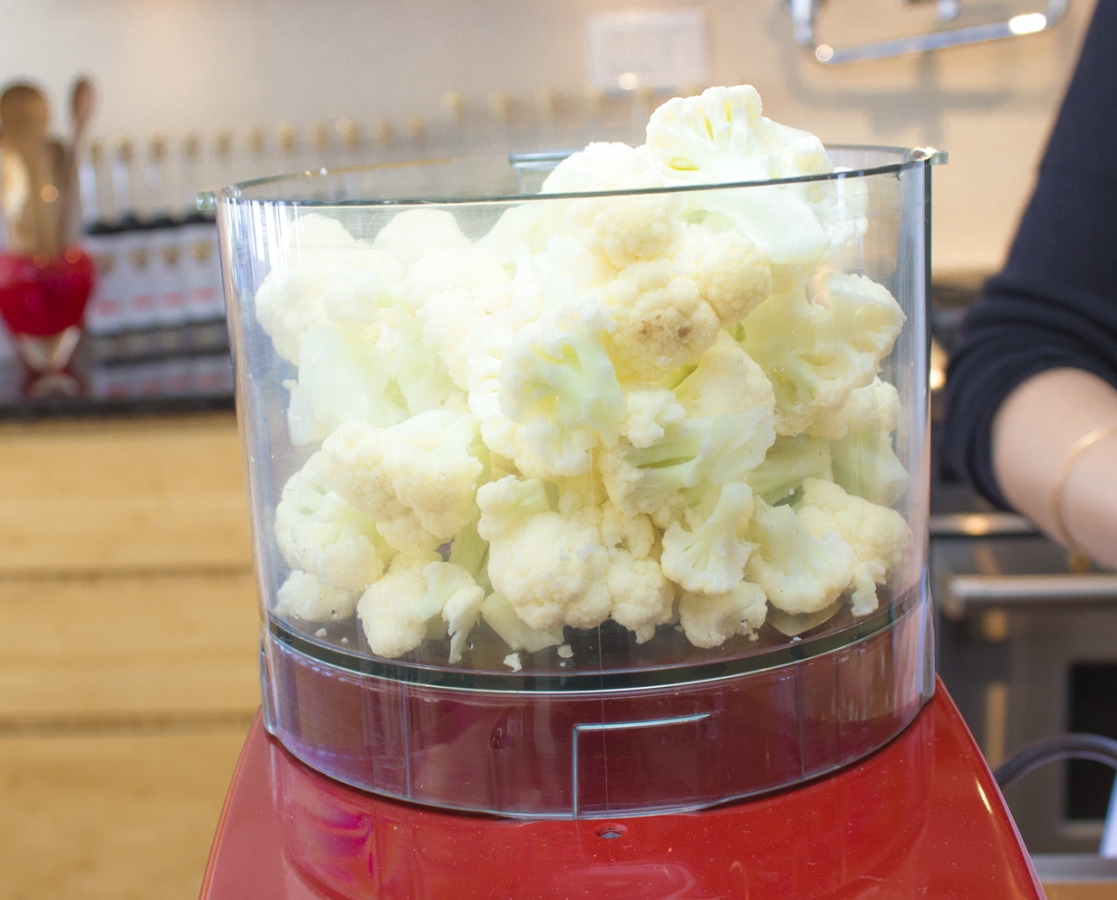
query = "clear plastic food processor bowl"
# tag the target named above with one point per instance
(580, 505)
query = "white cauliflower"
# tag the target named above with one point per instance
(725, 381)
(324, 266)
(413, 233)
(709, 620)
(416, 479)
(320, 533)
(647, 412)
(557, 381)
(540, 560)
(303, 596)
(819, 344)
(662, 322)
(733, 275)
(622, 396)
(708, 556)
(721, 137)
(798, 571)
(419, 597)
(879, 537)
(629, 579)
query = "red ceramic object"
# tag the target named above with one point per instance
(42, 297)
(922, 817)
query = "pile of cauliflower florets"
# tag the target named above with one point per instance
(647, 407)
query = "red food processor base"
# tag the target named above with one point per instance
(922, 817)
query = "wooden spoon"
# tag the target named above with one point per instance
(24, 120)
(81, 111)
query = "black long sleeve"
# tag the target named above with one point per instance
(1055, 303)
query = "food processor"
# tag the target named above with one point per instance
(590, 521)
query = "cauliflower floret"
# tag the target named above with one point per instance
(725, 381)
(379, 375)
(798, 571)
(819, 345)
(602, 166)
(711, 620)
(416, 232)
(473, 269)
(302, 596)
(326, 273)
(865, 462)
(539, 560)
(416, 479)
(732, 274)
(419, 597)
(628, 229)
(639, 597)
(662, 322)
(501, 435)
(709, 555)
(788, 461)
(721, 137)
(879, 537)
(874, 407)
(647, 412)
(318, 532)
(713, 449)
(501, 616)
(557, 381)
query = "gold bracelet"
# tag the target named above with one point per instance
(1083, 444)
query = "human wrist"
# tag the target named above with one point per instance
(1085, 501)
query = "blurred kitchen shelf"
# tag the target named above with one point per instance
(161, 371)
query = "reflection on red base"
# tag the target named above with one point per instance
(920, 818)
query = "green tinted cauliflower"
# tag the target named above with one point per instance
(820, 343)
(712, 450)
(501, 616)
(709, 620)
(320, 533)
(879, 537)
(788, 462)
(416, 479)
(864, 460)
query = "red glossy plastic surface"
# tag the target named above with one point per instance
(41, 297)
(600, 753)
(922, 817)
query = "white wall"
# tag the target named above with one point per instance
(176, 65)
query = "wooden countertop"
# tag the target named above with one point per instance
(128, 652)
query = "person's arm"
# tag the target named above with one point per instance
(1055, 458)
(1014, 407)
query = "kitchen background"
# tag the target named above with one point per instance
(127, 657)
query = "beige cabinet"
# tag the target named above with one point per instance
(128, 651)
